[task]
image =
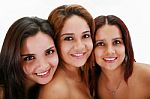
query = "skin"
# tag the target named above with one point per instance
(76, 43)
(1, 92)
(75, 48)
(109, 54)
(39, 59)
(110, 49)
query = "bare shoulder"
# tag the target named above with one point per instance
(143, 72)
(142, 68)
(56, 89)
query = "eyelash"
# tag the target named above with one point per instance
(69, 38)
(100, 44)
(86, 36)
(49, 52)
(28, 58)
(116, 42)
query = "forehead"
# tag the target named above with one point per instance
(75, 24)
(108, 31)
(38, 42)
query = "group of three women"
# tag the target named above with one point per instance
(95, 58)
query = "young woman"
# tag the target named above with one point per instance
(118, 76)
(73, 26)
(28, 56)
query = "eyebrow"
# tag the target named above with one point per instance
(22, 55)
(49, 48)
(117, 38)
(112, 39)
(66, 34)
(84, 32)
(99, 41)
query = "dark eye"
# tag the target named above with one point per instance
(116, 42)
(68, 38)
(86, 35)
(50, 51)
(100, 44)
(28, 58)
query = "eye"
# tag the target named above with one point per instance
(50, 51)
(116, 42)
(69, 38)
(100, 44)
(86, 35)
(28, 58)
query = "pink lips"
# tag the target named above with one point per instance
(43, 74)
(109, 59)
(78, 55)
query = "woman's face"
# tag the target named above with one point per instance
(110, 50)
(39, 58)
(75, 42)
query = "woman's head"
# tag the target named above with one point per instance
(27, 43)
(116, 28)
(39, 58)
(74, 29)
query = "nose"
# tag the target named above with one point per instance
(79, 45)
(110, 49)
(43, 63)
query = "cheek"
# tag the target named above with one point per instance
(64, 48)
(54, 61)
(122, 51)
(27, 68)
(90, 45)
(98, 52)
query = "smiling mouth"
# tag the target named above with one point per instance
(110, 59)
(78, 55)
(44, 74)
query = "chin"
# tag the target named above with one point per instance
(42, 82)
(79, 64)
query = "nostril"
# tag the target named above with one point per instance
(79, 45)
(110, 50)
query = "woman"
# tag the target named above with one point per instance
(73, 26)
(28, 56)
(118, 75)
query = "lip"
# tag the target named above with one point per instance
(110, 59)
(78, 55)
(43, 74)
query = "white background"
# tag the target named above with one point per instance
(135, 14)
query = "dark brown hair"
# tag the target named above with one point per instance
(13, 77)
(129, 54)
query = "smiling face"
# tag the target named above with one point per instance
(110, 50)
(75, 42)
(39, 58)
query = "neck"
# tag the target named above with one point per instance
(113, 76)
(112, 81)
(72, 73)
(28, 85)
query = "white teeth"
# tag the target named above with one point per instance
(109, 59)
(41, 74)
(78, 54)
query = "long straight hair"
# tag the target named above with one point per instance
(129, 54)
(13, 76)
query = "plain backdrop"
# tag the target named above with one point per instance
(135, 14)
